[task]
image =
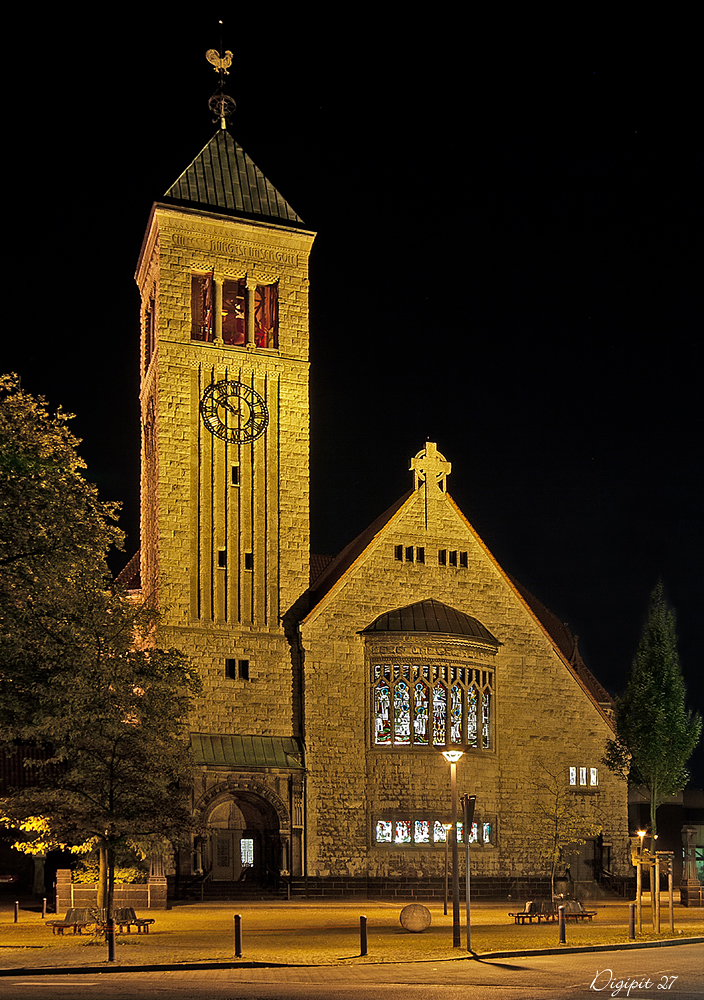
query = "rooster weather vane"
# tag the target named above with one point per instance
(221, 104)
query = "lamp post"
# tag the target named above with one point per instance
(639, 883)
(452, 756)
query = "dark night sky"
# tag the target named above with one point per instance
(506, 264)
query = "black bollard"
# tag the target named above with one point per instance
(238, 935)
(110, 937)
(561, 923)
(631, 921)
(362, 935)
(17, 909)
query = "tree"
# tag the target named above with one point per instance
(656, 734)
(54, 537)
(559, 827)
(92, 705)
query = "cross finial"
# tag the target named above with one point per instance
(430, 466)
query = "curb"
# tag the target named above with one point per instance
(78, 970)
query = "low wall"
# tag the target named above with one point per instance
(432, 887)
(149, 895)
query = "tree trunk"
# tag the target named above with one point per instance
(102, 900)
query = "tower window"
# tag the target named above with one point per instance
(249, 560)
(463, 560)
(235, 298)
(409, 553)
(442, 557)
(398, 553)
(235, 480)
(420, 554)
(243, 670)
(237, 669)
(453, 558)
(222, 558)
(202, 307)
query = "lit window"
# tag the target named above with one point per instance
(202, 307)
(593, 777)
(234, 311)
(421, 831)
(573, 776)
(582, 775)
(402, 831)
(438, 705)
(247, 852)
(383, 831)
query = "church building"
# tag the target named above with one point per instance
(332, 688)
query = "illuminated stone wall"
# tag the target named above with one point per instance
(198, 529)
(542, 713)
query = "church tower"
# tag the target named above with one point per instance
(223, 277)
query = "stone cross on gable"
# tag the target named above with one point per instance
(430, 466)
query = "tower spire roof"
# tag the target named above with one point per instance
(224, 178)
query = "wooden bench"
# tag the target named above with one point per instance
(125, 917)
(545, 910)
(76, 918)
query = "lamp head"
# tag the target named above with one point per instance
(452, 756)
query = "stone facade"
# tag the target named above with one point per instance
(290, 767)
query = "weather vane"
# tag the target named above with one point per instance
(221, 104)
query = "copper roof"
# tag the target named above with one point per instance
(224, 178)
(211, 749)
(431, 616)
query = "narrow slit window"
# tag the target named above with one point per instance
(463, 560)
(409, 553)
(453, 558)
(442, 557)
(420, 554)
(231, 669)
(398, 553)
(222, 558)
(243, 670)
(235, 478)
(249, 560)
(202, 307)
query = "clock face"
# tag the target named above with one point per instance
(234, 412)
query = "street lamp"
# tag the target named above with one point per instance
(446, 827)
(452, 756)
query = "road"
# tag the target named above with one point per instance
(657, 972)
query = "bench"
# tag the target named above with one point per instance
(125, 917)
(77, 918)
(545, 910)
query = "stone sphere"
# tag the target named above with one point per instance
(415, 918)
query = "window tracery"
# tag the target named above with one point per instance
(432, 705)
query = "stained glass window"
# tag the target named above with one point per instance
(402, 714)
(443, 705)
(593, 776)
(439, 832)
(403, 831)
(582, 775)
(487, 832)
(420, 720)
(421, 831)
(456, 714)
(573, 776)
(439, 714)
(474, 834)
(383, 831)
(247, 852)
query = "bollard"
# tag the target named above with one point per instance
(362, 935)
(44, 908)
(17, 909)
(631, 921)
(561, 924)
(238, 935)
(110, 936)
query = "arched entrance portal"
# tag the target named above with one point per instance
(243, 838)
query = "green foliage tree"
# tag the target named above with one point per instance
(80, 677)
(559, 826)
(656, 733)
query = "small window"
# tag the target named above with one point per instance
(420, 554)
(453, 558)
(463, 560)
(222, 558)
(202, 307)
(409, 553)
(582, 775)
(398, 553)
(593, 777)
(235, 477)
(231, 669)
(243, 670)
(249, 560)
(442, 557)
(573, 777)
